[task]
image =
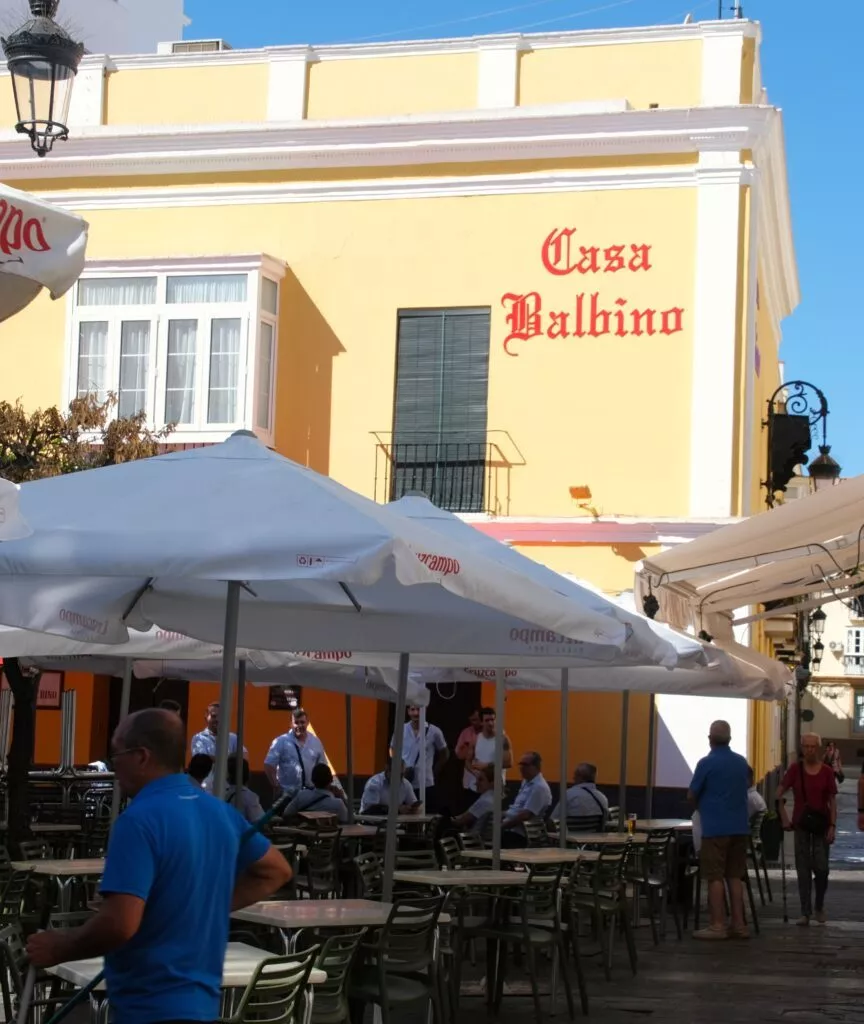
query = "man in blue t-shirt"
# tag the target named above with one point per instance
(719, 793)
(178, 864)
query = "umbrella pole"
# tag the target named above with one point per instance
(562, 795)
(125, 699)
(652, 744)
(349, 755)
(622, 785)
(498, 815)
(241, 725)
(229, 654)
(395, 779)
(421, 761)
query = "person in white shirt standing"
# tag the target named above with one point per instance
(484, 751)
(292, 756)
(414, 746)
(204, 742)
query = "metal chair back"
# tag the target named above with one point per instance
(336, 958)
(275, 989)
(370, 871)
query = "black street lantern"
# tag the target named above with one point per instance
(43, 60)
(816, 654)
(817, 622)
(824, 470)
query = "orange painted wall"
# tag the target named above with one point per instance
(326, 715)
(532, 721)
(48, 722)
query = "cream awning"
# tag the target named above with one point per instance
(806, 548)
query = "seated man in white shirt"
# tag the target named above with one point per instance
(583, 799)
(755, 803)
(376, 793)
(322, 797)
(248, 805)
(532, 801)
(475, 817)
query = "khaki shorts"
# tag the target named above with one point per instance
(723, 857)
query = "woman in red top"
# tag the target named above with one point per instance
(814, 820)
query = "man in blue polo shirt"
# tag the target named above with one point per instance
(177, 865)
(719, 792)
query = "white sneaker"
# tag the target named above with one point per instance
(803, 922)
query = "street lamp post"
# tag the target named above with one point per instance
(43, 60)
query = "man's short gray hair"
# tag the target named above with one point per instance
(720, 732)
(812, 736)
(535, 758)
(586, 772)
(159, 731)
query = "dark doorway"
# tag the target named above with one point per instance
(146, 693)
(450, 704)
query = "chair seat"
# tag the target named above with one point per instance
(537, 936)
(401, 988)
(608, 905)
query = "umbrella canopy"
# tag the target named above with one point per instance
(154, 542)
(41, 246)
(355, 681)
(642, 639)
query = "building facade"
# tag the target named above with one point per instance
(540, 278)
(835, 694)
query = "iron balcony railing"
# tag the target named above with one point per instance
(455, 474)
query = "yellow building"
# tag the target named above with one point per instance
(539, 277)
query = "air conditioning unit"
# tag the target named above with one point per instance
(835, 646)
(195, 46)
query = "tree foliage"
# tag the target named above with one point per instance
(34, 445)
(48, 442)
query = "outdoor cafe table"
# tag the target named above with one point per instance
(62, 871)
(545, 855)
(605, 838)
(241, 961)
(661, 824)
(401, 819)
(464, 876)
(346, 831)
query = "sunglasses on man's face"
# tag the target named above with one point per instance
(112, 760)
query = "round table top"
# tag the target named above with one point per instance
(545, 855)
(464, 876)
(290, 914)
(241, 961)
(61, 868)
(658, 824)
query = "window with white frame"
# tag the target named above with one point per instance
(191, 346)
(854, 654)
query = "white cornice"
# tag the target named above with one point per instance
(427, 47)
(197, 264)
(462, 44)
(570, 131)
(402, 188)
(779, 268)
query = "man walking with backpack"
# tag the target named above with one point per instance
(814, 822)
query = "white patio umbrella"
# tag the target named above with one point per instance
(41, 246)
(251, 549)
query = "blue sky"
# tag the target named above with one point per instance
(812, 68)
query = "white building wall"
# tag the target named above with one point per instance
(682, 733)
(109, 26)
